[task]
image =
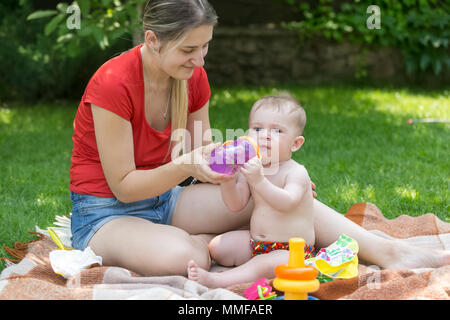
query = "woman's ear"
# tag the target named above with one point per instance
(151, 41)
(298, 142)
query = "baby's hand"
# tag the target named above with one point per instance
(253, 171)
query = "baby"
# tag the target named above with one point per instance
(282, 193)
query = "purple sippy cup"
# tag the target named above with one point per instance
(233, 154)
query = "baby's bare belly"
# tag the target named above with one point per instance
(269, 225)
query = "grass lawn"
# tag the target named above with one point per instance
(359, 148)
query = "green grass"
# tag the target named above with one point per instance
(35, 150)
(359, 148)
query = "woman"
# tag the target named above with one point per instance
(127, 205)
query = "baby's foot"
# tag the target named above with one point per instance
(195, 273)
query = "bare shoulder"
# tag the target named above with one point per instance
(297, 172)
(296, 168)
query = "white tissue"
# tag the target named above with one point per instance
(68, 263)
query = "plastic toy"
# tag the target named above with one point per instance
(233, 154)
(282, 298)
(260, 290)
(337, 261)
(294, 278)
(56, 239)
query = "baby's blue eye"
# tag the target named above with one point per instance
(276, 130)
(257, 129)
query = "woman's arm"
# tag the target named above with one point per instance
(235, 192)
(114, 138)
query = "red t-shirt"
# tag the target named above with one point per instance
(118, 86)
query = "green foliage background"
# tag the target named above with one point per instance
(419, 28)
(52, 61)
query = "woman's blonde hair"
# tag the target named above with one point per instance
(170, 20)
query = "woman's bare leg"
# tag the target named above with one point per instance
(330, 224)
(147, 248)
(386, 253)
(200, 209)
(154, 249)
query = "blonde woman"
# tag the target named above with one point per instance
(126, 202)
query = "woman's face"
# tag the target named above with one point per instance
(179, 61)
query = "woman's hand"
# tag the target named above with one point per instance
(196, 163)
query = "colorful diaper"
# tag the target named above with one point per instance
(262, 247)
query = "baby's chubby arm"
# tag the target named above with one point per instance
(235, 193)
(281, 199)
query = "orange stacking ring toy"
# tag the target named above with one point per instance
(294, 278)
(286, 272)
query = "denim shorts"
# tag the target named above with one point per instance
(90, 213)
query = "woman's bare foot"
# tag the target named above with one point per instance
(195, 273)
(404, 256)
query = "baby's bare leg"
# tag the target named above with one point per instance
(258, 267)
(231, 248)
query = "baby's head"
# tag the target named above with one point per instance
(277, 122)
(285, 105)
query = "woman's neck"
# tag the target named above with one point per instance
(155, 78)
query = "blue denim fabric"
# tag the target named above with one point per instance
(90, 213)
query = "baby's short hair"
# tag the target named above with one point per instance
(285, 103)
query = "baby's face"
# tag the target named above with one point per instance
(275, 133)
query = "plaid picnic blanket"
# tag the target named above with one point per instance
(32, 277)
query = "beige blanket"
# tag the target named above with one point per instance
(32, 277)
